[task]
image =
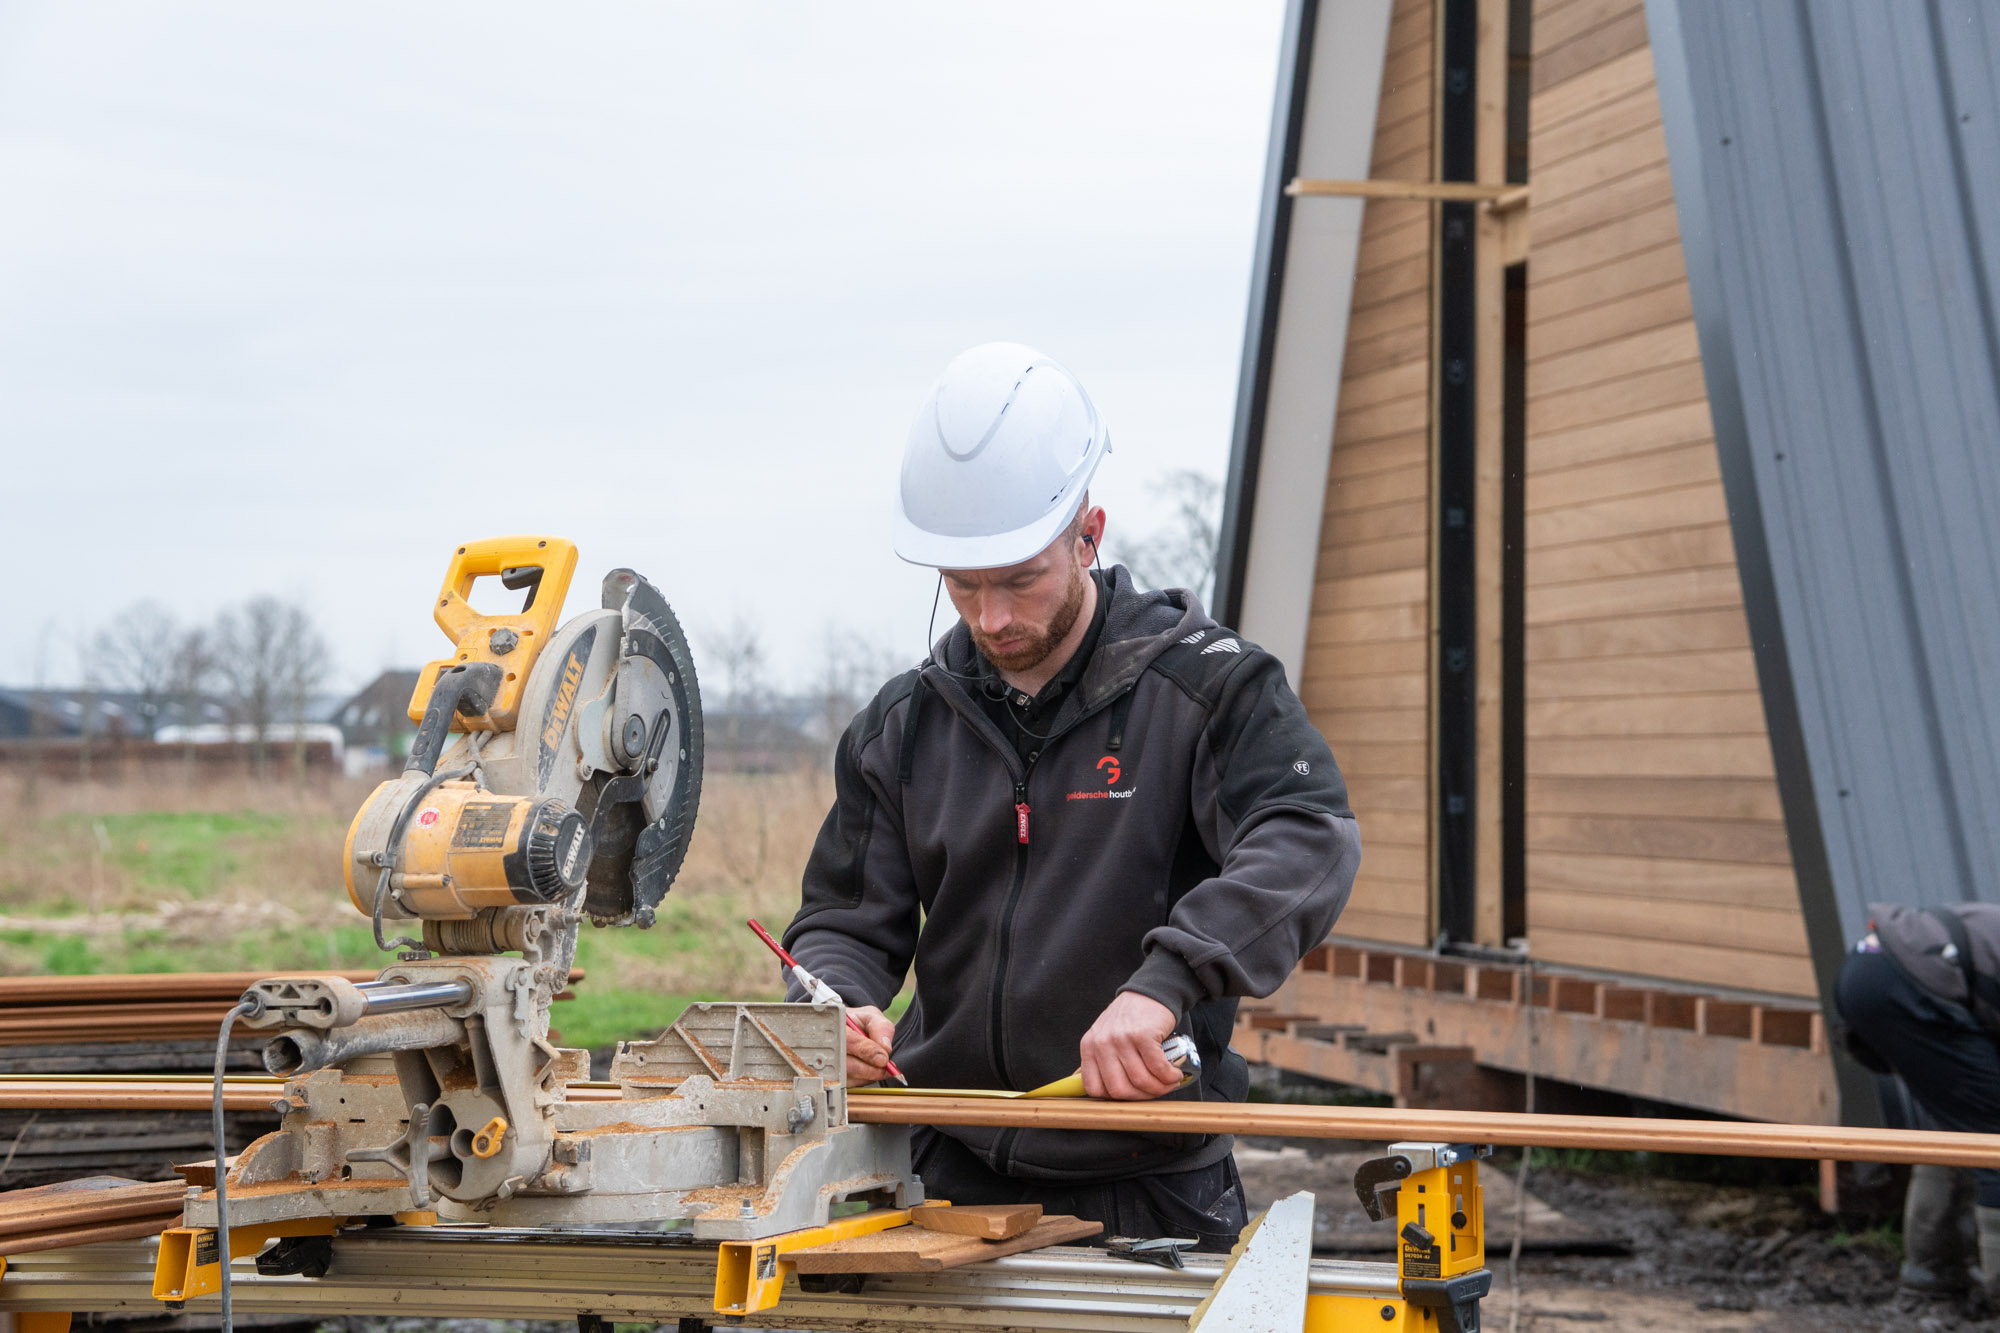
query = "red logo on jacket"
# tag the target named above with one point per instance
(1109, 767)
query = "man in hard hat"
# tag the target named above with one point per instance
(1091, 819)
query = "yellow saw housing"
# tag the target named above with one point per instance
(463, 848)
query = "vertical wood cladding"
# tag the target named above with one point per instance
(1365, 679)
(1655, 842)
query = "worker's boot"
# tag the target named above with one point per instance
(1937, 1231)
(1989, 1253)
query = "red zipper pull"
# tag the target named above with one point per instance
(1021, 813)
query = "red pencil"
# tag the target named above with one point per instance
(820, 992)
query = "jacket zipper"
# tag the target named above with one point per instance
(1006, 931)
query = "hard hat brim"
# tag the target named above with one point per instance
(993, 550)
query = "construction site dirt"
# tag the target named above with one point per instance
(1611, 1246)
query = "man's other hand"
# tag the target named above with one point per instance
(1121, 1052)
(868, 1057)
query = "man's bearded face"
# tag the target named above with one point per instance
(1019, 614)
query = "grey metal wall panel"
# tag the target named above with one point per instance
(1837, 177)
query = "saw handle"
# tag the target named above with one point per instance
(469, 689)
(541, 565)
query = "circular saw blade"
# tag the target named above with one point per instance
(656, 666)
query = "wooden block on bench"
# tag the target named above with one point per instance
(917, 1250)
(999, 1221)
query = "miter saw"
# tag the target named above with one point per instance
(554, 776)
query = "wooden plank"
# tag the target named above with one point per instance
(1348, 559)
(1398, 141)
(1678, 879)
(1351, 528)
(1373, 724)
(1396, 343)
(1389, 928)
(1590, 483)
(1411, 482)
(1562, 21)
(1388, 1124)
(1660, 428)
(1394, 828)
(1402, 234)
(1639, 151)
(1740, 713)
(1391, 451)
(1740, 842)
(1710, 544)
(1624, 197)
(1581, 96)
(1412, 165)
(1391, 793)
(1605, 42)
(1715, 588)
(1683, 798)
(1617, 317)
(1635, 111)
(1610, 241)
(1365, 325)
(1386, 385)
(1754, 930)
(1403, 587)
(1629, 516)
(1625, 637)
(980, 1221)
(1381, 422)
(1632, 273)
(1781, 974)
(1328, 697)
(1369, 759)
(1658, 673)
(918, 1250)
(1335, 660)
(1615, 359)
(1665, 756)
(1388, 282)
(1403, 101)
(1407, 621)
(1390, 861)
(1609, 400)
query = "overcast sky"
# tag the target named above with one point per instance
(294, 298)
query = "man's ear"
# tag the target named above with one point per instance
(1093, 531)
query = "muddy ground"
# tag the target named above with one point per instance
(1617, 1248)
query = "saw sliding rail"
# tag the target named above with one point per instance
(473, 1274)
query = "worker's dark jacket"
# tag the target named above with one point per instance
(1921, 940)
(1186, 836)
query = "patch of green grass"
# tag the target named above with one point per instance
(600, 1015)
(193, 853)
(70, 956)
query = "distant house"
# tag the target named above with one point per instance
(375, 721)
(29, 713)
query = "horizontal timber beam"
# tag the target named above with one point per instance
(1500, 198)
(1726, 1138)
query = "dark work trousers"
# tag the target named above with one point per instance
(1205, 1204)
(1949, 1062)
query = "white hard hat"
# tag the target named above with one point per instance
(997, 461)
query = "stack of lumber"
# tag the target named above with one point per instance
(943, 1237)
(83, 1212)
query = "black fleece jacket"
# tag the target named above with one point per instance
(1184, 833)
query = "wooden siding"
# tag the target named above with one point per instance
(1655, 840)
(1366, 668)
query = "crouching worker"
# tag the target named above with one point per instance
(1090, 820)
(1920, 996)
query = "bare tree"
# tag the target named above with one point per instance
(852, 668)
(190, 672)
(738, 652)
(1181, 552)
(135, 653)
(270, 656)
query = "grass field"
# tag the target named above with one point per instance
(160, 877)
